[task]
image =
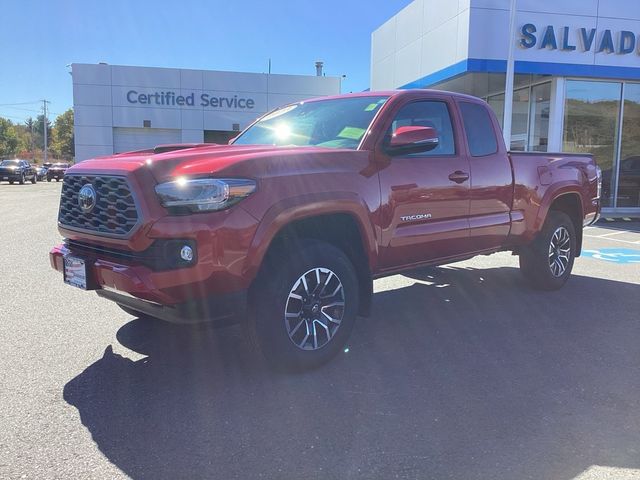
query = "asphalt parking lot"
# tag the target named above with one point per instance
(462, 372)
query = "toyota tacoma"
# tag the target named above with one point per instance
(285, 228)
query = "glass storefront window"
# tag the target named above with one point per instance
(591, 114)
(496, 102)
(520, 120)
(629, 174)
(539, 117)
(530, 117)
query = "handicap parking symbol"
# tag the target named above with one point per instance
(614, 255)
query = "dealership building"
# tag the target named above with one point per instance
(577, 74)
(121, 108)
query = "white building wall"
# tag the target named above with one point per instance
(101, 104)
(426, 36)
(490, 21)
(409, 46)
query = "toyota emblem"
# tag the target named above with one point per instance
(87, 198)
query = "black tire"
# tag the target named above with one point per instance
(267, 326)
(537, 260)
(48, 179)
(10, 182)
(57, 179)
(22, 179)
(34, 179)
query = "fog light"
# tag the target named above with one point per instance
(186, 253)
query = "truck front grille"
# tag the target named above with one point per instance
(114, 212)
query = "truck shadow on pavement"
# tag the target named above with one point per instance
(462, 373)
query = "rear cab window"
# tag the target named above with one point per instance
(478, 127)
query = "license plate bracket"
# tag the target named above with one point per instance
(76, 272)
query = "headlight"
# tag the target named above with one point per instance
(204, 194)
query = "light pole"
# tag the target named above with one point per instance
(508, 88)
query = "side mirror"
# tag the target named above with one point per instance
(413, 140)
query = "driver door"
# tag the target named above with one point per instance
(425, 196)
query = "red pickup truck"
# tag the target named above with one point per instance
(286, 227)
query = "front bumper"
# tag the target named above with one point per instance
(221, 309)
(8, 177)
(176, 296)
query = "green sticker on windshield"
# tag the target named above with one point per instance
(352, 133)
(371, 106)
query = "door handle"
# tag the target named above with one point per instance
(459, 176)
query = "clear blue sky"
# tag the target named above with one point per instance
(38, 38)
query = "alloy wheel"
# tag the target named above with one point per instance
(559, 251)
(314, 309)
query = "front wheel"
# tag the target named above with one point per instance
(548, 261)
(22, 179)
(48, 179)
(303, 306)
(34, 179)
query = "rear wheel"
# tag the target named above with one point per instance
(303, 306)
(10, 182)
(48, 179)
(548, 261)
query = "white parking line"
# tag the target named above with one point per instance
(614, 233)
(614, 239)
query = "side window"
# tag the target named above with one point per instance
(428, 114)
(478, 127)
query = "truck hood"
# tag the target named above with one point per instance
(197, 161)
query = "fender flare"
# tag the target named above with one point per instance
(551, 195)
(300, 207)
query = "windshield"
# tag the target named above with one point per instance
(10, 163)
(336, 123)
(60, 165)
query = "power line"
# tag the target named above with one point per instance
(23, 109)
(20, 103)
(9, 116)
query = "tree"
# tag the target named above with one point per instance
(8, 138)
(62, 142)
(39, 122)
(30, 126)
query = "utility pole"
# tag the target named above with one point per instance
(508, 88)
(32, 142)
(45, 122)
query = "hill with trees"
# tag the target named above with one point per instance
(26, 140)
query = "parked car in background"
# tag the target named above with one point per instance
(57, 171)
(17, 171)
(41, 171)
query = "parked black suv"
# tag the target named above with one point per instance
(56, 171)
(17, 171)
(41, 172)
